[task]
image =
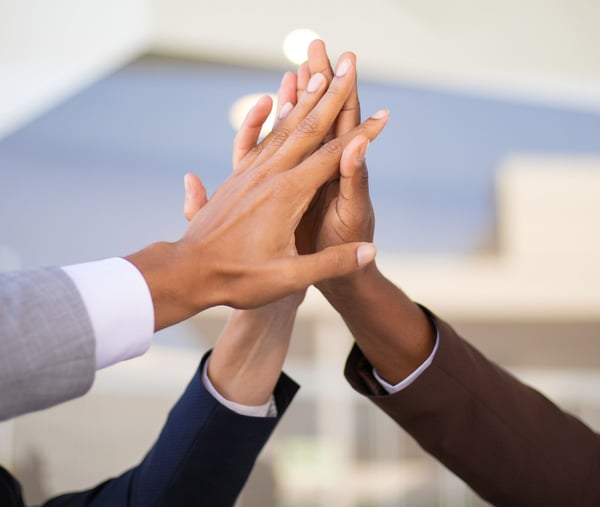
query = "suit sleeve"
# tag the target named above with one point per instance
(47, 347)
(508, 442)
(203, 456)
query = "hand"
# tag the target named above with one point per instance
(195, 199)
(239, 249)
(392, 332)
(341, 211)
(248, 357)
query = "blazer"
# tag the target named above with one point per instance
(508, 442)
(202, 457)
(47, 346)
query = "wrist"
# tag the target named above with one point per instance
(344, 290)
(173, 280)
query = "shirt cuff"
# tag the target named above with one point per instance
(403, 384)
(269, 409)
(119, 305)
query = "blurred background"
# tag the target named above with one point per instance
(486, 185)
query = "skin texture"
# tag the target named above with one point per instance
(248, 357)
(390, 329)
(243, 237)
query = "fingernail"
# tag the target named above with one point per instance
(362, 152)
(382, 113)
(285, 110)
(343, 67)
(365, 254)
(315, 82)
(186, 185)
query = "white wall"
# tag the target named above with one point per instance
(539, 50)
(49, 50)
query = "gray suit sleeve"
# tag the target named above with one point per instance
(47, 345)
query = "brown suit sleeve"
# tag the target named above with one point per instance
(508, 442)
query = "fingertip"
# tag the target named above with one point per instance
(365, 254)
(354, 155)
(381, 114)
(285, 110)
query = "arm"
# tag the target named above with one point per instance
(243, 238)
(512, 445)
(203, 455)
(46, 341)
(206, 451)
(508, 442)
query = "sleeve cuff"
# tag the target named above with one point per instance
(269, 409)
(403, 384)
(119, 305)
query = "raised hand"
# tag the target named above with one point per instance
(248, 357)
(342, 210)
(239, 249)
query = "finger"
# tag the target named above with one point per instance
(349, 116)
(354, 178)
(315, 89)
(308, 123)
(318, 61)
(302, 81)
(195, 195)
(329, 263)
(247, 137)
(324, 163)
(286, 97)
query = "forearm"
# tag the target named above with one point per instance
(203, 455)
(507, 441)
(391, 330)
(247, 360)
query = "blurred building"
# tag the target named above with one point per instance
(533, 306)
(485, 185)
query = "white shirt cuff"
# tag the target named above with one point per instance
(403, 384)
(119, 305)
(269, 409)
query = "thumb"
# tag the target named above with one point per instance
(354, 178)
(195, 195)
(331, 262)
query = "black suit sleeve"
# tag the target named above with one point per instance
(203, 456)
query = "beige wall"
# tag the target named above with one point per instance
(539, 50)
(533, 306)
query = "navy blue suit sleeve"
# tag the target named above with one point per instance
(203, 456)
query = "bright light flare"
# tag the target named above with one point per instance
(295, 45)
(241, 106)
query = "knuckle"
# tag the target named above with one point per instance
(309, 126)
(255, 178)
(256, 150)
(277, 137)
(333, 147)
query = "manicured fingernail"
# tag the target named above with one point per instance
(382, 113)
(343, 67)
(365, 254)
(362, 152)
(285, 110)
(315, 82)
